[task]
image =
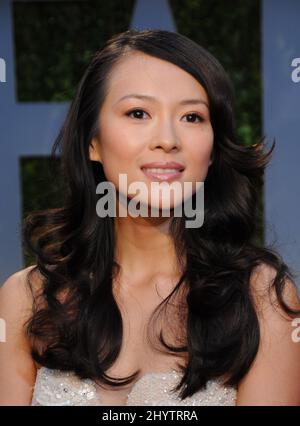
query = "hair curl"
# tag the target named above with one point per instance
(74, 248)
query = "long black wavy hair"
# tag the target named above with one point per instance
(75, 249)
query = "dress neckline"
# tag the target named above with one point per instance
(151, 374)
(97, 388)
(58, 387)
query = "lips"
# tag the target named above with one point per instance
(163, 171)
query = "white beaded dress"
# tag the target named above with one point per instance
(56, 387)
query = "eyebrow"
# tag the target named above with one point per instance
(151, 98)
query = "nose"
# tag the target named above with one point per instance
(165, 137)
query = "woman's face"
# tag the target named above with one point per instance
(173, 126)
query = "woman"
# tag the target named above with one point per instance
(145, 310)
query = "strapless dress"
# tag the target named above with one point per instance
(59, 388)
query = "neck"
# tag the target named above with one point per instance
(144, 247)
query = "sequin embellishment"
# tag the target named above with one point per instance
(56, 387)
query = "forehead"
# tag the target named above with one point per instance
(139, 72)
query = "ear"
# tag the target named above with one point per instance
(94, 150)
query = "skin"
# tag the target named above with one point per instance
(164, 130)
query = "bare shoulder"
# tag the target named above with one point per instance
(274, 376)
(16, 294)
(17, 367)
(264, 293)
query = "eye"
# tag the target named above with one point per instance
(135, 111)
(140, 112)
(192, 114)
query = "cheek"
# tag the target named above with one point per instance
(200, 153)
(118, 145)
(118, 152)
